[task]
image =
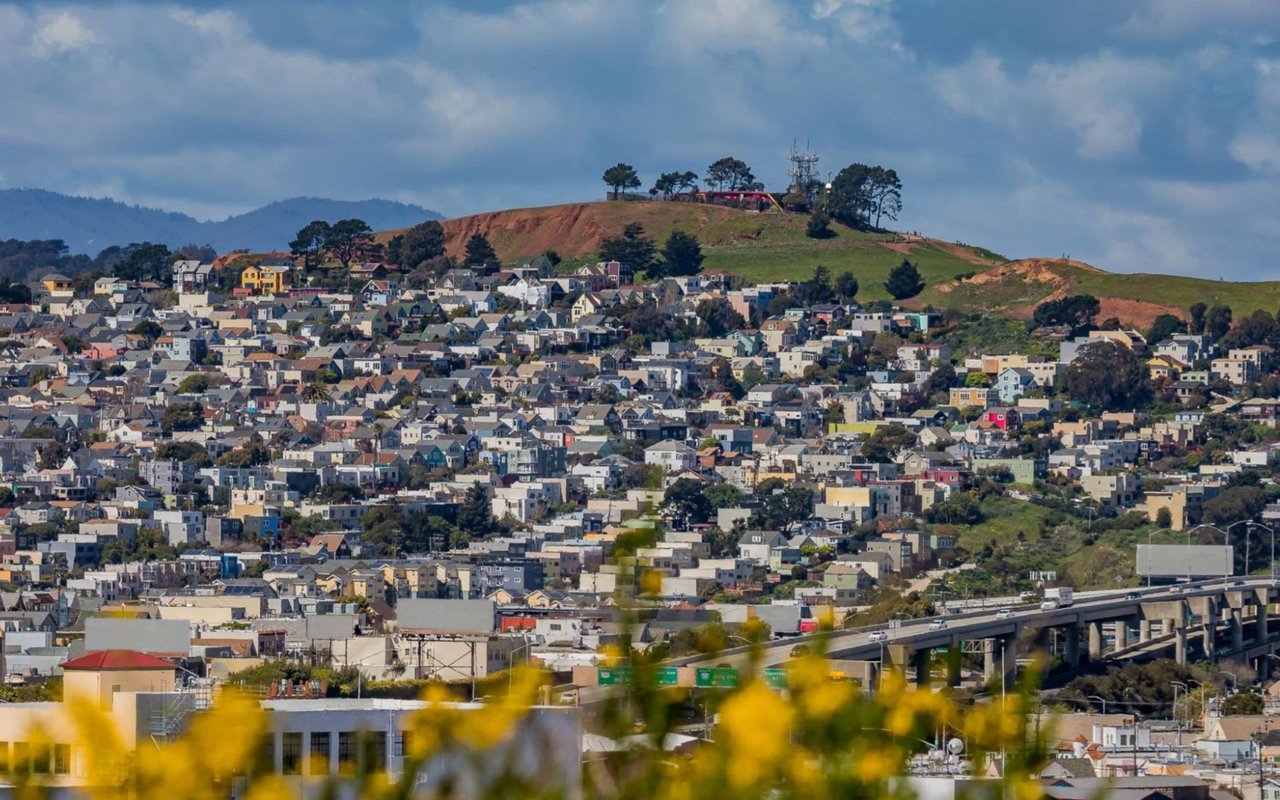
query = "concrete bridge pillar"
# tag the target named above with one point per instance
(1071, 644)
(1001, 652)
(1144, 630)
(955, 658)
(1122, 634)
(1261, 622)
(921, 661)
(1237, 629)
(1095, 641)
(1180, 644)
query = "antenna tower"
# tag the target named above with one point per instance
(803, 170)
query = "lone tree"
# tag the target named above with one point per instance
(819, 226)
(478, 252)
(620, 177)
(310, 243)
(681, 255)
(861, 195)
(349, 240)
(632, 247)
(1077, 312)
(904, 281)
(846, 287)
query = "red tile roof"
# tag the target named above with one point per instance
(119, 660)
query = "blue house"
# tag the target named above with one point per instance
(1012, 383)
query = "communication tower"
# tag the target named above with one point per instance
(803, 171)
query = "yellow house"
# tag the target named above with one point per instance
(99, 676)
(265, 279)
(854, 496)
(57, 285)
(1165, 367)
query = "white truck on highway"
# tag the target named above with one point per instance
(1056, 597)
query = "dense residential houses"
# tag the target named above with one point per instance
(434, 482)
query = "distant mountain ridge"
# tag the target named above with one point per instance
(88, 225)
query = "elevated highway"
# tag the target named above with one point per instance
(1214, 618)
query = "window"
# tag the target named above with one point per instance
(21, 756)
(61, 759)
(320, 753)
(403, 743)
(40, 759)
(291, 753)
(347, 752)
(376, 752)
(269, 753)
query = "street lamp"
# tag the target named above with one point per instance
(1102, 700)
(1226, 537)
(1248, 523)
(1178, 685)
(1235, 685)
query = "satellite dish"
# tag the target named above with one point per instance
(955, 747)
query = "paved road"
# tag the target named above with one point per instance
(971, 625)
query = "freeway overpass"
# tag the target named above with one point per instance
(1216, 618)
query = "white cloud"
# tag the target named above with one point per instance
(1169, 19)
(867, 22)
(725, 27)
(1257, 142)
(1098, 100)
(60, 32)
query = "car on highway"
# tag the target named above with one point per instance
(1133, 596)
(878, 636)
(937, 625)
(1004, 613)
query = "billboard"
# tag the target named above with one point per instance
(1181, 561)
(172, 636)
(448, 616)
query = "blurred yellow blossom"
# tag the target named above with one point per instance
(755, 723)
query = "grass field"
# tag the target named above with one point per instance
(773, 246)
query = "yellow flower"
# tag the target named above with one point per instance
(650, 582)
(825, 699)
(805, 772)
(876, 765)
(756, 724)
(900, 719)
(269, 787)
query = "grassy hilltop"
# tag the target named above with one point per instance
(773, 246)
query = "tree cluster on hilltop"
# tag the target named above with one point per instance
(860, 196)
(346, 240)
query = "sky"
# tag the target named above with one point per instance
(1139, 136)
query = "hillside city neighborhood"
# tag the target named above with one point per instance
(237, 475)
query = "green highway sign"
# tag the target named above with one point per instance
(775, 678)
(612, 676)
(716, 678)
(668, 676)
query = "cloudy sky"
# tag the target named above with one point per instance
(1139, 136)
